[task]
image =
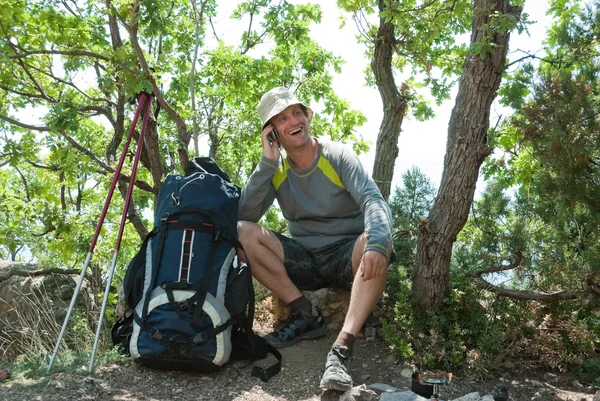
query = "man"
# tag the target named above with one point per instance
(340, 229)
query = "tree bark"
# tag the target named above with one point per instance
(394, 106)
(466, 150)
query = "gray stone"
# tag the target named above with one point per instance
(487, 397)
(596, 396)
(390, 360)
(469, 397)
(370, 332)
(542, 395)
(364, 378)
(406, 373)
(551, 377)
(359, 393)
(382, 388)
(402, 396)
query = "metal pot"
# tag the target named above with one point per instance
(424, 390)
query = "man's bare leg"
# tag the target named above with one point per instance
(266, 255)
(364, 296)
(266, 260)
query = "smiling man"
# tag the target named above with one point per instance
(339, 227)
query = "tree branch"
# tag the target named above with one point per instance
(517, 294)
(22, 125)
(74, 53)
(197, 23)
(184, 135)
(25, 68)
(213, 29)
(529, 56)
(140, 184)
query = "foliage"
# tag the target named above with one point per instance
(589, 370)
(429, 53)
(77, 83)
(480, 331)
(409, 205)
(550, 155)
(69, 76)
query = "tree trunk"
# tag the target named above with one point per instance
(465, 152)
(394, 106)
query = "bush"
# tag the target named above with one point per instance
(479, 331)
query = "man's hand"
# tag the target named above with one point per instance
(373, 264)
(270, 148)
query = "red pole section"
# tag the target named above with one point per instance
(136, 160)
(141, 104)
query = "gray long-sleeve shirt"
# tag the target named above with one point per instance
(333, 199)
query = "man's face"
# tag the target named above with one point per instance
(292, 126)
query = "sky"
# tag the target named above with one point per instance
(421, 144)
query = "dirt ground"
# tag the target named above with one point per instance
(303, 365)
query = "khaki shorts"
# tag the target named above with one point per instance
(327, 267)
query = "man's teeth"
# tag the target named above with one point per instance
(295, 131)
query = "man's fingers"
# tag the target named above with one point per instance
(372, 265)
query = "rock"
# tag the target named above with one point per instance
(401, 396)
(370, 332)
(577, 383)
(5, 373)
(487, 397)
(359, 393)
(500, 393)
(390, 360)
(596, 396)
(364, 378)
(332, 303)
(551, 377)
(380, 388)
(406, 373)
(36, 302)
(469, 397)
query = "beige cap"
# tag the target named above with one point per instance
(275, 101)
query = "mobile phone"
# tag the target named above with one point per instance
(273, 135)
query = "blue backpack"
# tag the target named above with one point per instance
(190, 300)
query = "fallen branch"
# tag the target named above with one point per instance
(8, 273)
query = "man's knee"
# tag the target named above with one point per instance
(256, 238)
(245, 228)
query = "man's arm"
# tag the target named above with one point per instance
(377, 214)
(259, 193)
(378, 217)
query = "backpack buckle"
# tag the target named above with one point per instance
(183, 305)
(200, 337)
(156, 334)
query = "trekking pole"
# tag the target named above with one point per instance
(136, 160)
(143, 100)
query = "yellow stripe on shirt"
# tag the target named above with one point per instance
(281, 174)
(329, 172)
(323, 164)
